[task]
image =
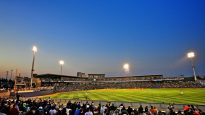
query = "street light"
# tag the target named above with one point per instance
(126, 67)
(191, 55)
(34, 49)
(61, 62)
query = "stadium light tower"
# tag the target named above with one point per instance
(34, 49)
(126, 67)
(191, 55)
(11, 74)
(61, 62)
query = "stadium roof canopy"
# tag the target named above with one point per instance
(147, 76)
(53, 76)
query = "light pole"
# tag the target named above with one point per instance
(34, 49)
(11, 77)
(7, 74)
(191, 55)
(11, 74)
(61, 62)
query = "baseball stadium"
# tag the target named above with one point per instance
(102, 57)
(151, 91)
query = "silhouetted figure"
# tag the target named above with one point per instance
(129, 110)
(140, 109)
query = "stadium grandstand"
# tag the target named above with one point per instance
(99, 81)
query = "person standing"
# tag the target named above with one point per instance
(140, 109)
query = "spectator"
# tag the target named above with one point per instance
(89, 112)
(14, 110)
(124, 111)
(179, 113)
(102, 110)
(53, 111)
(77, 111)
(153, 110)
(129, 110)
(140, 109)
(146, 110)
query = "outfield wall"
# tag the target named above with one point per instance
(34, 93)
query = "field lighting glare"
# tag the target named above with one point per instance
(61, 62)
(126, 67)
(34, 49)
(191, 55)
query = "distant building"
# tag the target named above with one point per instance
(80, 74)
(22, 82)
(96, 76)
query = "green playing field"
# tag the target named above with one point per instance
(161, 95)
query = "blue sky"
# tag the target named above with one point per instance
(98, 36)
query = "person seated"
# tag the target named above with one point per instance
(14, 110)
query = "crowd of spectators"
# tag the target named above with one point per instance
(142, 84)
(49, 107)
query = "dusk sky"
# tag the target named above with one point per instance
(99, 36)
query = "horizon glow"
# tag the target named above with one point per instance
(99, 36)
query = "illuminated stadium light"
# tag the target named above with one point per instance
(34, 49)
(126, 67)
(61, 62)
(191, 55)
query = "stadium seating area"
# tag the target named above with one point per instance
(144, 84)
(49, 107)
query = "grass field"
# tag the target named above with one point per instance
(163, 95)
